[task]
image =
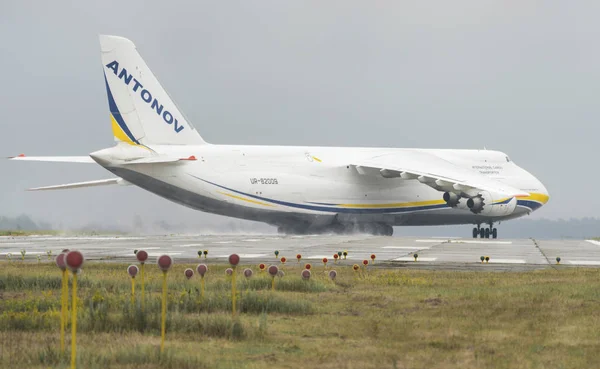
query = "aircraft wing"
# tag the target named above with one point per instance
(434, 172)
(101, 182)
(157, 159)
(58, 159)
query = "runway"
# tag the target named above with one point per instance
(433, 253)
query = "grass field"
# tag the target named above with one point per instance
(382, 319)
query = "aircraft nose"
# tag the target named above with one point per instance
(541, 195)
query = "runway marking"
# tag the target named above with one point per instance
(484, 241)
(33, 238)
(594, 242)
(190, 245)
(410, 258)
(164, 253)
(18, 253)
(249, 256)
(584, 262)
(406, 247)
(147, 248)
(252, 240)
(223, 242)
(507, 261)
(320, 257)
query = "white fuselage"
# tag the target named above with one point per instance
(316, 186)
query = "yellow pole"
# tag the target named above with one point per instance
(233, 292)
(64, 300)
(202, 286)
(132, 291)
(164, 313)
(273, 283)
(143, 290)
(74, 322)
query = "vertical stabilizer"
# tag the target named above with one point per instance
(142, 113)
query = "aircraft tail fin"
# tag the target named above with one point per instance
(141, 111)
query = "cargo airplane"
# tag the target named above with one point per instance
(299, 189)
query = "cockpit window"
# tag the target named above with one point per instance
(507, 160)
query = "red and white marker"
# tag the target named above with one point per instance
(202, 269)
(74, 260)
(273, 270)
(164, 262)
(142, 256)
(60, 261)
(234, 260)
(132, 270)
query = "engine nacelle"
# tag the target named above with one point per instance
(476, 204)
(451, 199)
(491, 204)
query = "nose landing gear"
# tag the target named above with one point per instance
(485, 232)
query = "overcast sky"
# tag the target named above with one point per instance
(522, 77)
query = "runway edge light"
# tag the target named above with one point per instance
(164, 263)
(64, 297)
(234, 260)
(332, 275)
(132, 270)
(142, 256)
(305, 274)
(202, 269)
(273, 270)
(74, 261)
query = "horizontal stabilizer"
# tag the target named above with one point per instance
(56, 159)
(158, 160)
(101, 182)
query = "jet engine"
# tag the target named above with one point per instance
(451, 199)
(489, 204)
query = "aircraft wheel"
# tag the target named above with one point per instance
(388, 230)
(475, 232)
(487, 233)
(495, 233)
(481, 233)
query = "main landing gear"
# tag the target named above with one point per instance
(485, 232)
